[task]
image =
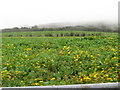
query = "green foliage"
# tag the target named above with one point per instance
(54, 34)
(40, 61)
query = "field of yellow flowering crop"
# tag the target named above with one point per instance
(40, 61)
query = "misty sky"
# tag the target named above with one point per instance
(34, 12)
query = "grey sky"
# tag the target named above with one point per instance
(33, 12)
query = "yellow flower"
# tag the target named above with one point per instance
(75, 57)
(69, 52)
(3, 56)
(90, 75)
(61, 52)
(106, 75)
(87, 78)
(76, 60)
(26, 55)
(35, 79)
(37, 84)
(98, 54)
(64, 46)
(115, 53)
(81, 52)
(4, 71)
(80, 62)
(68, 48)
(86, 52)
(43, 64)
(17, 72)
(52, 79)
(52, 60)
(25, 72)
(109, 78)
(95, 76)
(91, 55)
(40, 81)
(21, 81)
(27, 49)
(114, 57)
(12, 79)
(113, 49)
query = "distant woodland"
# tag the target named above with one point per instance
(101, 28)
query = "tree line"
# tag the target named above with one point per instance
(101, 28)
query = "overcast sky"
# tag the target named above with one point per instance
(34, 12)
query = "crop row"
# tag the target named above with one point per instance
(54, 34)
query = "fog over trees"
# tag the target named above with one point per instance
(101, 27)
